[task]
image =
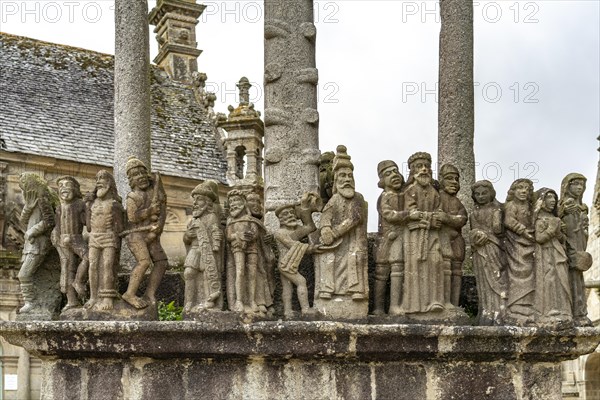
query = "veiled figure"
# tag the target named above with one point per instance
(489, 258)
(520, 246)
(552, 290)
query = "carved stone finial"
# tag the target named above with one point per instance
(244, 86)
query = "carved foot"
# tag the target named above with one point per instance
(106, 304)
(70, 306)
(358, 296)
(325, 295)
(26, 308)
(583, 321)
(90, 303)
(238, 306)
(135, 301)
(395, 310)
(309, 311)
(378, 311)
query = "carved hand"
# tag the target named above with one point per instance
(415, 215)
(248, 236)
(327, 236)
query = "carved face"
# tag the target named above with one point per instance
(392, 178)
(138, 178)
(482, 195)
(201, 204)
(288, 218)
(255, 205)
(421, 168)
(237, 206)
(66, 190)
(344, 182)
(451, 183)
(576, 187)
(522, 191)
(102, 187)
(550, 201)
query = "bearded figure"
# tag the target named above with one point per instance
(341, 287)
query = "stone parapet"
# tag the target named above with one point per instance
(297, 360)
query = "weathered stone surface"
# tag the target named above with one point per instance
(456, 107)
(132, 87)
(297, 360)
(291, 118)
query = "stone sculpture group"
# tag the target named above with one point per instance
(528, 254)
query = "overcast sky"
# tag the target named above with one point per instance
(537, 73)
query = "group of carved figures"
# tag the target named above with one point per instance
(339, 246)
(87, 232)
(528, 254)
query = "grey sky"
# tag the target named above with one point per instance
(537, 64)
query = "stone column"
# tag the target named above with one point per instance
(291, 117)
(23, 374)
(456, 104)
(132, 87)
(593, 247)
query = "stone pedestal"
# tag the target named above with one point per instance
(296, 360)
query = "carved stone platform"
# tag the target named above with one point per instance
(297, 360)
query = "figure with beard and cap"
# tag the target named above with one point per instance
(489, 258)
(520, 247)
(203, 240)
(389, 257)
(250, 285)
(105, 222)
(455, 219)
(424, 263)
(67, 237)
(552, 290)
(291, 250)
(146, 206)
(574, 215)
(341, 287)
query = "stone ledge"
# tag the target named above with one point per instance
(317, 340)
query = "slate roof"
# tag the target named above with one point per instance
(57, 101)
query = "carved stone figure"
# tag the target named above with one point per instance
(455, 219)
(520, 246)
(489, 258)
(553, 302)
(251, 287)
(424, 264)
(326, 175)
(574, 214)
(291, 249)
(341, 286)
(203, 239)
(146, 213)
(105, 222)
(389, 257)
(67, 237)
(37, 217)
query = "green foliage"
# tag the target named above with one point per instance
(169, 312)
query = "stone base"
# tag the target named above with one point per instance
(297, 360)
(224, 317)
(451, 316)
(122, 311)
(341, 308)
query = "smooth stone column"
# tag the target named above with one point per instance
(132, 87)
(456, 102)
(291, 116)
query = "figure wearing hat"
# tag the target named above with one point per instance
(67, 237)
(203, 239)
(342, 268)
(146, 213)
(574, 215)
(423, 289)
(389, 257)
(292, 250)
(455, 219)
